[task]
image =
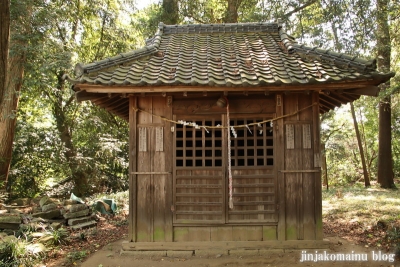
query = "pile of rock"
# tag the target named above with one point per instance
(48, 209)
(46, 213)
(78, 215)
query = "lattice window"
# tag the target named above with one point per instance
(253, 146)
(197, 147)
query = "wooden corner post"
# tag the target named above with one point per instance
(132, 168)
(279, 166)
(317, 167)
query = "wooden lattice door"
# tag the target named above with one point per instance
(200, 172)
(199, 189)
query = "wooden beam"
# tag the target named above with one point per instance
(109, 101)
(323, 109)
(344, 98)
(188, 88)
(326, 103)
(122, 109)
(370, 91)
(331, 100)
(84, 96)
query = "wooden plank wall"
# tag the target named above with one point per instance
(300, 176)
(225, 233)
(296, 166)
(154, 171)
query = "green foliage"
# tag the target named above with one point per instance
(337, 134)
(145, 23)
(56, 236)
(77, 255)
(13, 253)
(57, 138)
(37, 158)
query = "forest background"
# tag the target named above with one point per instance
(48, 138)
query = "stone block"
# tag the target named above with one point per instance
(11, 226)
(77, 214)
(15, 211)
(22, 202)
(243, 252)
(85, 225)
(48, 214)
(185, 254)
(56, 225)
(266, 252)
(77, 207)
(10, 218)
(76, 221)
(211, 252)
(69, 202)
(44, 201)
(49, 207)
(156, 253)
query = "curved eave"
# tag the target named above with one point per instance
(115, 99)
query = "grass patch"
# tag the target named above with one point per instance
(363, 205)
(369, 216)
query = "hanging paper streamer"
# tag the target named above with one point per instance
(230, 181)
(193, 124)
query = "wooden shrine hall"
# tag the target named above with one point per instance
(225, 131)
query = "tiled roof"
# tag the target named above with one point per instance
(225, 55)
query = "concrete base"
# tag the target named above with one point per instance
(217, 249)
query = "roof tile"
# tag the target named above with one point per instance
(244, 54)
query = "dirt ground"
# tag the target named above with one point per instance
(109, 256)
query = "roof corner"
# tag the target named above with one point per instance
(151, 47)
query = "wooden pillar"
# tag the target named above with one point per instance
(132, 168)
(317, 167)
(279, 167)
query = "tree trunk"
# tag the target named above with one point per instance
(360, 147)
(170, 14)
(4, 46)
(385, 165)
(8, 111)
(78, 173)
(4, 43)
(231, 15)
(324, 166)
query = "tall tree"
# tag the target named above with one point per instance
(231, 14)
(4, 44)
(385, 165)
(360, 147)
(4, 47)
(12, 80)
(90, 30)
(170, 12)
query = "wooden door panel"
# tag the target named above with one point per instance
(200, 174)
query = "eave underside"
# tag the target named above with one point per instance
(116, 99)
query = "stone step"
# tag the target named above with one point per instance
(12, 226)
(10, 218)
(84, 225)
(77, 214)
(48, 214)
(76, 221)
